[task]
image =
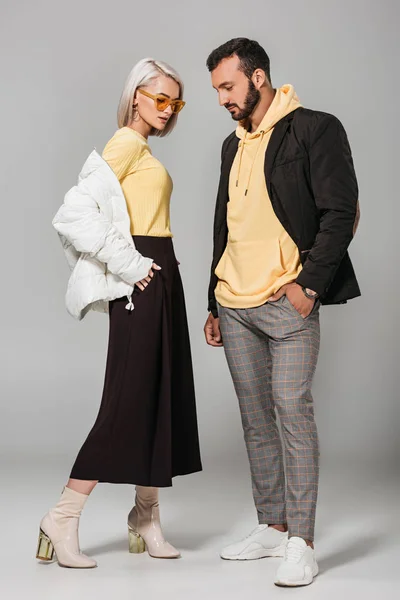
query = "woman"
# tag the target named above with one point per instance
(146, 429)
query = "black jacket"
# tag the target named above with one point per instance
(312, 185)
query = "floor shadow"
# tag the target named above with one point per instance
(113, 546)
(192, 541)
(183, 541)
(359, 548)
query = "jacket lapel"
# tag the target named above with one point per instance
(227, 163)
(277, 136)
(223, 189)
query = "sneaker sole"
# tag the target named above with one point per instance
(296, 583)
(257, 554)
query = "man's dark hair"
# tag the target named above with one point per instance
(251, 55)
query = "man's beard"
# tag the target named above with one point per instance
(251, 101)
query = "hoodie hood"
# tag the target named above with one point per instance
(284, 102)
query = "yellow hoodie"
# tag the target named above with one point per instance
(260, 256)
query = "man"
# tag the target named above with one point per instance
(285, 215)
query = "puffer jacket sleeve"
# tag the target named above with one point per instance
(80, 221)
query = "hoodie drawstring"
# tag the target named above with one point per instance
(285, 101)
(262, 132)
(240, 159)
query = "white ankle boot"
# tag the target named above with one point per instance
(59, 532)
(144, 526)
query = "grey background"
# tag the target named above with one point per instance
(63, 66)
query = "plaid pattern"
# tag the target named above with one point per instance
(272, 353)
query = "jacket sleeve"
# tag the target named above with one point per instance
(218, 220)
(212, 302)
(80, 221)
(335, 190)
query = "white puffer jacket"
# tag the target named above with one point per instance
(94, 228)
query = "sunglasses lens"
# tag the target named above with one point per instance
(161, 103)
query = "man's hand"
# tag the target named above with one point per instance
(212, 331)
(296, 297)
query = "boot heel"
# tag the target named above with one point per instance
(45, 549)
(136, 542)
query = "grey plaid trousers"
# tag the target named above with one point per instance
(272, 353)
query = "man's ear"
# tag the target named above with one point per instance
(258, 78)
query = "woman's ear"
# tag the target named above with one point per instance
(135, 112)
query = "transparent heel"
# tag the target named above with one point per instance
(45, 549)
(136, 542)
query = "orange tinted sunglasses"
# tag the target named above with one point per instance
(161, 102)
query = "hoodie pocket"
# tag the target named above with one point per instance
(250, 268)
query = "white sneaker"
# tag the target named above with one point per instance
(261, 542)
(299, 566)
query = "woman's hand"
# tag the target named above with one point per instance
(145, 282)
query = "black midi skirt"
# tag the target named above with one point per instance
(146, 428)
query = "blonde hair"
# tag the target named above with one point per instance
(143, 73)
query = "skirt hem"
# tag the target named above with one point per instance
(136, 481)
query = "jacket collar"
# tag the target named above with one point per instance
(274, 143)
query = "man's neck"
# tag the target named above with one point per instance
(261, 109)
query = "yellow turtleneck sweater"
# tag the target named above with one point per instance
(260, 256)
(145, 182)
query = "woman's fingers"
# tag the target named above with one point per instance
(145, 282)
